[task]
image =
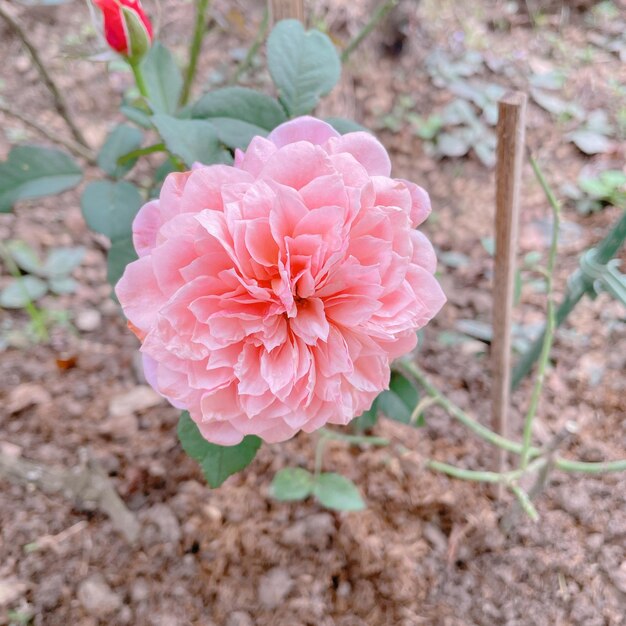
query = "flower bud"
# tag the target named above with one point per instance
(126, 27)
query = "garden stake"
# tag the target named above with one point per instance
(510, 155)
(286, 10)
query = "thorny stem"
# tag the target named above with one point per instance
(590, 468)
(253, 49)
(421, 406)
(488, 435)
(73, 146)
(476, 427)
(525, 502)
(139, 79)
(35, 314)
(380, 13)
(134, 154)
(551, 322)
(194, 49)
(59, 101)
(506, 478)
(464, 474)
(319, 454)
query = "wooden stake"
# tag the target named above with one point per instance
(286, 9)
(510, 158)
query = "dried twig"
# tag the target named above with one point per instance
(88, 486)
(59, 101)
(73, 146)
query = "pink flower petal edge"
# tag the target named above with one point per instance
(271, 296)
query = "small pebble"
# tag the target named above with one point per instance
(88, 320)
(97, 598)
(274, 587)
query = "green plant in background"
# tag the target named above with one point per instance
(594, 192)
(33, 278)
(54, 274)
(464, 124)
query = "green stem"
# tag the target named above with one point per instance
(135, 154)
(139, 79)
(551, 320)
(380, 13)
(464, 474)
(35, 314)
(525, 502)
(194, 49)
(253, 49)
(460, 415)
(584, 467)
(507, 478)
(319, 455)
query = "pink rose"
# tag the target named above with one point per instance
(271, 296)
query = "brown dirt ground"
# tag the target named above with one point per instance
(428, 550)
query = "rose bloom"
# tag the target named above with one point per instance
(117, 30)
(271, 296)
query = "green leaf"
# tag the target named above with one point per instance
(191, 140)
(121, 140)
(20, 291)
(532, 259)
(613, 178)
(217, 462)
(489, 244)
(235, 133)
(452, 144)
(163, 78)
(425, 128)
(135, 115)
(33, 172)
(110, 208)
(121, 253)
(304, 66)
(343, 125)
(62, 261)
(337, 492)
(476, 329)
(292, 483)
(590, 142)
(400, 400)
(555, 105)
(62, 285)
(239, 113)
(24, 256)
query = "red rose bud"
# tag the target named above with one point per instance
(126, 27)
